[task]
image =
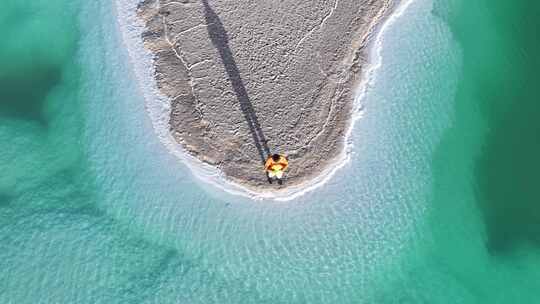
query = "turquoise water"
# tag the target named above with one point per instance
(94, 209)
(482, 236)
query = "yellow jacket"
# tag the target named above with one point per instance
(280, 165)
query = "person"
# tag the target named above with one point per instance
(275, 166)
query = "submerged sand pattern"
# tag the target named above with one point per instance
(250, 78)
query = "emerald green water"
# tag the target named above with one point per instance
(501, 75)
(480, 244)
(438, 205)
(39, 82)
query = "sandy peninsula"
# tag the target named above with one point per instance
(250, 78)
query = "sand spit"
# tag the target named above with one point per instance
(248, 79)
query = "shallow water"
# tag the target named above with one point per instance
(94, 209)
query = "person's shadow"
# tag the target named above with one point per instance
(220, 40)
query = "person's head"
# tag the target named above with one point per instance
(275, 157)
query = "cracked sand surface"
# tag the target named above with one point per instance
(249, 78)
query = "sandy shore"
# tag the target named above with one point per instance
(248, 79)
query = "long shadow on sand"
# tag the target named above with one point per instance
(220, 40)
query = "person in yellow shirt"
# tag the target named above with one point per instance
(275, 166)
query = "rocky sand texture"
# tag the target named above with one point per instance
(247, 78)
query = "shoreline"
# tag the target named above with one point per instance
(159, 106)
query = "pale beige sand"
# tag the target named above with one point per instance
(249, 78)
